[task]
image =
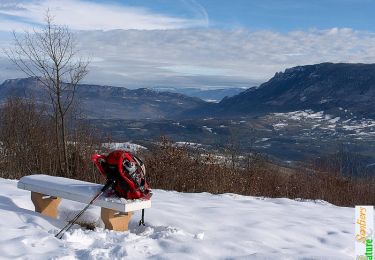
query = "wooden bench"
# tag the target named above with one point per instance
(47, 192)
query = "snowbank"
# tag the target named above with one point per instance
(127, 146)
(183, 226)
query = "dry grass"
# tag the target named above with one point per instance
(87, 225)
(176, 168)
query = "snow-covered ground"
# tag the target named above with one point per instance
(127, 146)
(182, 226)
(187, 144)
(350, 125)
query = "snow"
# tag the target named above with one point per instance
(262, 140)
(182, 226)
(127, 146)
(334, 120)
(179, 124)
(212, 100)
(299, 115)
(209, 129)
(280, 125)
(190, 144)
(322, 121)
(80, 191)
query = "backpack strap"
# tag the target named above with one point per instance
(124, 175)
(140, 164)
(98, 160)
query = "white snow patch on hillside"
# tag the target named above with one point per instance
(280, 125)
(187, 144)
(127, 146)
(209, 129)
(183, 226)
(212, 100)
(299, 115)
(322, 121)
(334, 120)
(178, 124)
(262, 140)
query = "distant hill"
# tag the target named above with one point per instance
(333, 88)
(110, 102)
(209, 95)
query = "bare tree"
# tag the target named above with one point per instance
(232, 147)
(50, 55)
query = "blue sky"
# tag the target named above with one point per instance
(199, 43)
(288, 15)
(279, 15)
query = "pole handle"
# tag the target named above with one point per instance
(108, 184)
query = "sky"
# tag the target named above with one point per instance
(198, 43)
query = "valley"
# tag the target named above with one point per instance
(287, 137)
(304, 113)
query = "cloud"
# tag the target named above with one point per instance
(85, 15)
(212, 57)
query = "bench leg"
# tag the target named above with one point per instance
(114, 220)
(45, 206)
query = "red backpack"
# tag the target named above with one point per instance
(128, 172)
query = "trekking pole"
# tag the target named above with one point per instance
(109, 184)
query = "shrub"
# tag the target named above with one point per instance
(27, 144)
(178, 168)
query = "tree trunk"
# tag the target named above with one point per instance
(63, 136)
(62, 121)
(57, 139)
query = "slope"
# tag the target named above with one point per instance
(183, 226)
(327, 87)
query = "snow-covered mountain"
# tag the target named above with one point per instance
(182, 226)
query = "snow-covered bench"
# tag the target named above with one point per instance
(47, 191)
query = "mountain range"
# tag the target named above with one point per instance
(108, 102)
(332, 88)
(336, 89)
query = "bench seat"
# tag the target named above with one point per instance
(47, 192)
